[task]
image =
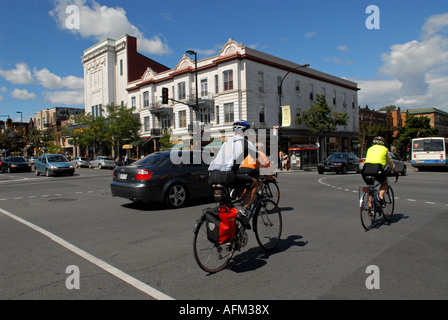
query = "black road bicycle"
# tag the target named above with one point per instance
(266, 224)
(371, 207)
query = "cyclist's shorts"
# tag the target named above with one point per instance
(375, 171)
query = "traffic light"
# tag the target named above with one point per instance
(9, 123)
(164, 95)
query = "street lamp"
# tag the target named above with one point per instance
(191, 52)
(280, 106)
(21, 128)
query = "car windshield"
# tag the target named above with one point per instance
(338, 156)
(84, 159)
(17, 159)
(57, 158)
(105, 158)
(154, 159)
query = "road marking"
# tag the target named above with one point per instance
(87, 256)
(321, 181)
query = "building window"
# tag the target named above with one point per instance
(228, 80)
(121, 67)
(205, 115)
(217, 115)
(334, 97)
(145, 99)
(216, 84)
(228, 112)
(353, 102)
(165, 121)
(344, 100)
(133, 104)
(182, 119)
(297, 85)
(311, 92)
(181, 90)
(260, 81)
(261, 114)
(146, 124)
(204, 88)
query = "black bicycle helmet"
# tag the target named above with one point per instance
(241, 125)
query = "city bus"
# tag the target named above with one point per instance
(430, 152)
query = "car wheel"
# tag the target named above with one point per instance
(320, 171)
(47, 173)
(403, 173)
(344, 170)
(37, 172)
(100, 166)
(176, 196)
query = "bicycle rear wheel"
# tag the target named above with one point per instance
(268, 225)
(389, 199)
(271, 191)
(211, 257)
(367, 211)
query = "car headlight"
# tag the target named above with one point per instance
(13, 166)
(71, 167)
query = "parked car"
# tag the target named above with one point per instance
(156, 178)
(102, 162)
(53, 164)
(15, 164)
(399, 164)
(79, 162)
(339, 163)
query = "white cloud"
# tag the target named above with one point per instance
(417, 71)
(23, 94)
(310, 34)
(20, 75)
(342, 48)
(101, 22)
(51, 81)
(69, 97)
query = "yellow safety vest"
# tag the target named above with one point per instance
(377, 154)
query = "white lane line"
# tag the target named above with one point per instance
(87, 256)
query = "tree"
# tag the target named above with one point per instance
(321, 119)
(122, 126)
(415, 127)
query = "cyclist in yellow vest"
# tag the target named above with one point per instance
(375, 165)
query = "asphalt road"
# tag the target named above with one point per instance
(53, 229)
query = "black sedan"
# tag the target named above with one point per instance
(339, 163)
(15, 164)
(168, 177)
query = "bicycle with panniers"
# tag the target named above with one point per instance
(218, 233)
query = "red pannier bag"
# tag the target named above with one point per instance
(221, 224)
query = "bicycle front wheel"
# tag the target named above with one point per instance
(268, 225)
(389, 200)
(367, 212)
(271, 191)
(210, 256)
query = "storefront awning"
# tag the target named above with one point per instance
(303, 147)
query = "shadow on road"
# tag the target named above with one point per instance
(255, 258)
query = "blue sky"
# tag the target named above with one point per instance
(404, 62)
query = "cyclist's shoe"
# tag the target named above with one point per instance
(382, 202)
(244, 220)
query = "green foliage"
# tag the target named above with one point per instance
(321, 119)
(416, 127)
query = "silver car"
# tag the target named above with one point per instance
(102, 162)
(79, 162)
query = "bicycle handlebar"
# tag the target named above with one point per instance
(396, 177)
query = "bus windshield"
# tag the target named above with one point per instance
(428, 145)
